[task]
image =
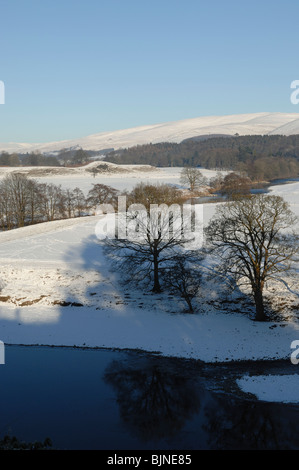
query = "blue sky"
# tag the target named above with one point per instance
(73, 68)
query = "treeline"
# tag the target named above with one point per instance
(24, 201)
(62, 158)
(28, 159)
(65, 157)
(260, 157)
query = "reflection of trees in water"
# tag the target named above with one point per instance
(236, 424)
(157, 396)
(155, 399)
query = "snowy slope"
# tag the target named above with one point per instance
(57, 288)
(243, 124)
(290, 128)
(61, 262)
(46, 265)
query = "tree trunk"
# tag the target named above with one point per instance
(189, 303)
(259, 305)
(157, 287)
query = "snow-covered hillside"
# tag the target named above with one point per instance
(242, 124)
(57, 288)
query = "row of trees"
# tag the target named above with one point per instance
(260, 157)
(249, 240)
(66, 157)
(24, 201)
(30, 159)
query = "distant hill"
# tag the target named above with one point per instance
(174, 132)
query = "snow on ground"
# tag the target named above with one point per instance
(59, 289)
(121, 177)
(290, 193)
(274, 388)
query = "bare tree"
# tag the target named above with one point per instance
(16, 188)
(101, 194)
(69, 203)
(6, 209)
(24, 201)
(79, 202)
(52, 201)
(148, 237)
(192, 177)
(35, 197)
(183, 277)
(251, 236)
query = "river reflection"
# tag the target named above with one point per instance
(161, 398)
(155, 397)
(235, 424)
(101, 399)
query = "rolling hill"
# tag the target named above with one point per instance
(177, 131)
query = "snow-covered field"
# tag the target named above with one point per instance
(120, 177)
(59, 289)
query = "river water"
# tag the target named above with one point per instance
(118, 400)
